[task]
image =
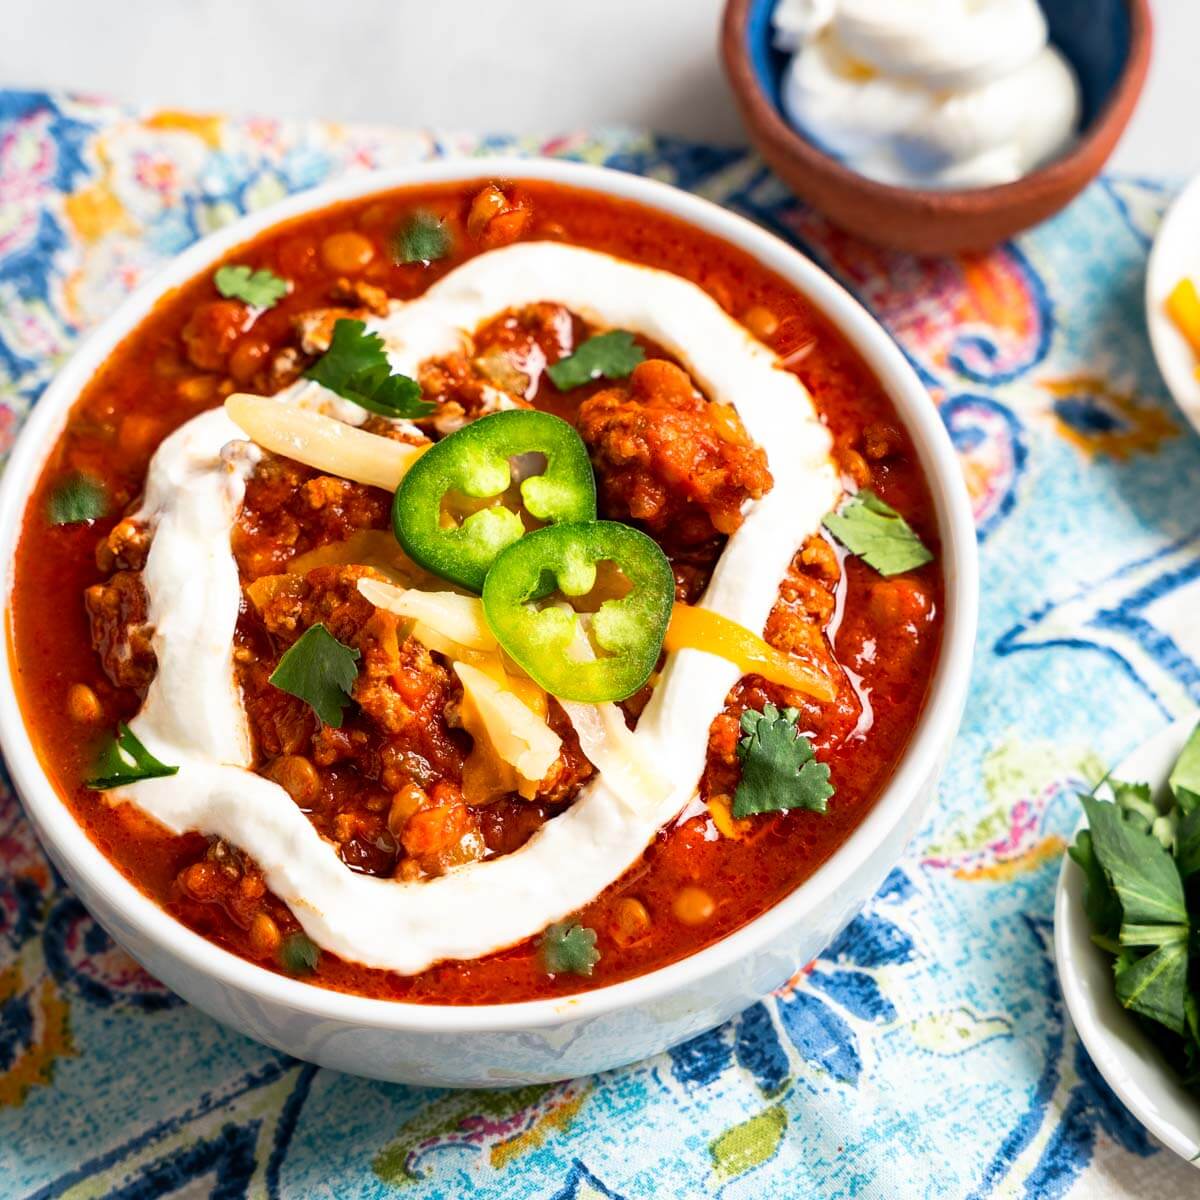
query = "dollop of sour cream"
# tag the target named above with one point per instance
(193, 714)
(928, 93)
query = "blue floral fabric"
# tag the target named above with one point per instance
(926, 1053)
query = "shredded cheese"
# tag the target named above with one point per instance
(322, 442)
(459, 618)
(610, 746)
(518, 735)
(702, 629)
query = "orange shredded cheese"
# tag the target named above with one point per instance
(1183, 307)
(699, 629)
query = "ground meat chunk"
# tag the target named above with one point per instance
(290, 508)
(126, 546)
(670, 459)
(315, 327)
(360, 293)
(120, 633)
(212, 332)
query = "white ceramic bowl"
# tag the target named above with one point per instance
(545, 1039)
(1176, 253)
(1123, 1054)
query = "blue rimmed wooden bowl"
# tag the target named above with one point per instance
(1107, 42)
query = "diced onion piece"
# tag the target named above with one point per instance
(701, 629)
(460, 618)
(321, 442)
(517, 734)
(1183, 307)
(612, 748)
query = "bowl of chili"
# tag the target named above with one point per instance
(564, 1002)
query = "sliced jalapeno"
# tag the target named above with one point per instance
(475, 463)
(626, 633)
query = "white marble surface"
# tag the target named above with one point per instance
(511, 65)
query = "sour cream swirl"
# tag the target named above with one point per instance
(193, 714)
(928, 93)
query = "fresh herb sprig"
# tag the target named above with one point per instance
(421, 238)
(1140, 856)
(611, 355)
(76, 498)
(878, 534)
(319, 670)
(569, 948)
(780, 771)
(356, 368)
(260, 289)
(123, 759)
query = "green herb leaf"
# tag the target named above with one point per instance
(779, 769)
(1156, 985)
(125, 760)
(319, 670)
(1141, 871)
(1185, 778)
(1187, 845)
(610, 355)
(75, 498)
(260, 289)
(422, 238)
(569, 947)
(1099, 900)
(299, 954)
(878, 534)
(356, 367)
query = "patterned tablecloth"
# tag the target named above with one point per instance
(926, 1053)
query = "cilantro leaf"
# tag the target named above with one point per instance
(1141, 871)
(878, 534)
(76, 498)
(611, 355)
(260, 289)
(1187, 844)
(299, 954)
(319, 670)
(779, 769)
(125, 760)
(356, 367)
(1156, 985)
(422, 238)
(1099, 900)
(1184, 780)
(569, 947)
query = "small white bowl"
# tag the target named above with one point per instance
(1123, 1054)
(542, 1040)
(1176, 253)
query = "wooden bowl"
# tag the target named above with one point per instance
(1107, 42)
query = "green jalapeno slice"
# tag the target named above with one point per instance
(625, 633)
(476, 463)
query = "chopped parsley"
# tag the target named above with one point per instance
(878, 534)
(422, 238)
(610, 355)
(125, 760)
(75, 498)
(1139, 854)
(299, 954)
(569, 947)
(319, 670)
(260, 289)
(356, 367)
(779, 769)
